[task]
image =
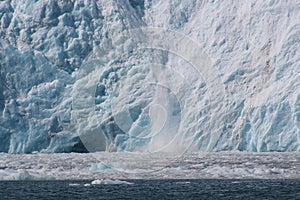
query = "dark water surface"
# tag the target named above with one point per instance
(153, 189)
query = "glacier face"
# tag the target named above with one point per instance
(73, 80)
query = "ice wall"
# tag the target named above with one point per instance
(70, 80)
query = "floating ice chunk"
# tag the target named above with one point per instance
(109, 182)
(96, 167)
(87, 185)
(16, 175)
(74, 184)
(233, 165)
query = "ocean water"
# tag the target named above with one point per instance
(154, 189)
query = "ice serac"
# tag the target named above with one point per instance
(72, 79)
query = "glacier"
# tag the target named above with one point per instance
(149, 76)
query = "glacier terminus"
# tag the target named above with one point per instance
(149, 76)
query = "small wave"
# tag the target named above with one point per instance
(183, 182)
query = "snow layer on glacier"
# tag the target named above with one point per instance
(53, 53)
